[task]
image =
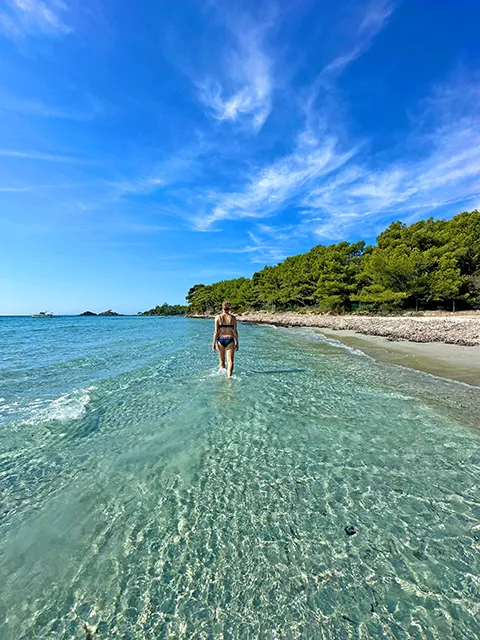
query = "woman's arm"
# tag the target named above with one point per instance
(235, 333)
(215, 335)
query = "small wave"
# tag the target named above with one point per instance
(70, 406)
(314, 333)
(8, 408)
(341, 345)
(434, 376)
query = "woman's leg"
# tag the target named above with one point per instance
(221, 355)
(230, 356)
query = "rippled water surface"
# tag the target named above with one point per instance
(150, 497)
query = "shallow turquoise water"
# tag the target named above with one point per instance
(147, 495)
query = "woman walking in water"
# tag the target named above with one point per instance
(225, 337)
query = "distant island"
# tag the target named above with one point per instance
(166, 310)
(103, 313)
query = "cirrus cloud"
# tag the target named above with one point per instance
(27, 16)
(244, 93)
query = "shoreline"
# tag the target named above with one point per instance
(446, 345)
(450, 361)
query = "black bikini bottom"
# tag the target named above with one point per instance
(225, 341)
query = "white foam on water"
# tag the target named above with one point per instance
(435, 377)
(8, 408)
(217, 372)
(70, 406)
(312, 333)
(337, 344)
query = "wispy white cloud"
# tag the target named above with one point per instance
(141, 185)
(271, 188)
(126, 201)
(41, 187)
(318, 152)
(92, 108)
(370, 21)
(269, 244)
(179, 166)
(25, 16)
(267, 249)
(438, 167)
(261, 248)
(14, 189)
(245, 91)
(337, 189)
(40, 155)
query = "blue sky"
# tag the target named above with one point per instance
(148, 146)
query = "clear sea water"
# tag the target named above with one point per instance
(147, 495)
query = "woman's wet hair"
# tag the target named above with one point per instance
(226, 305)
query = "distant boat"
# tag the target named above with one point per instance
(43, 314)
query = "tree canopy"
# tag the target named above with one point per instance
(166, 310)
(429, 264)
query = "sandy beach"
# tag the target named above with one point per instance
(453, 361)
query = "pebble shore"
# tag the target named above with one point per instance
(452, 328)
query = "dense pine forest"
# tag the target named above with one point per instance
(432, 264)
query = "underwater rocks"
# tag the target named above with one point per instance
(351, 530)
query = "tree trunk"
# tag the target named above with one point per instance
(453, 306)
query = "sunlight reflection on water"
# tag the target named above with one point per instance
(181, 504)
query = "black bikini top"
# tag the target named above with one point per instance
(228, 326)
